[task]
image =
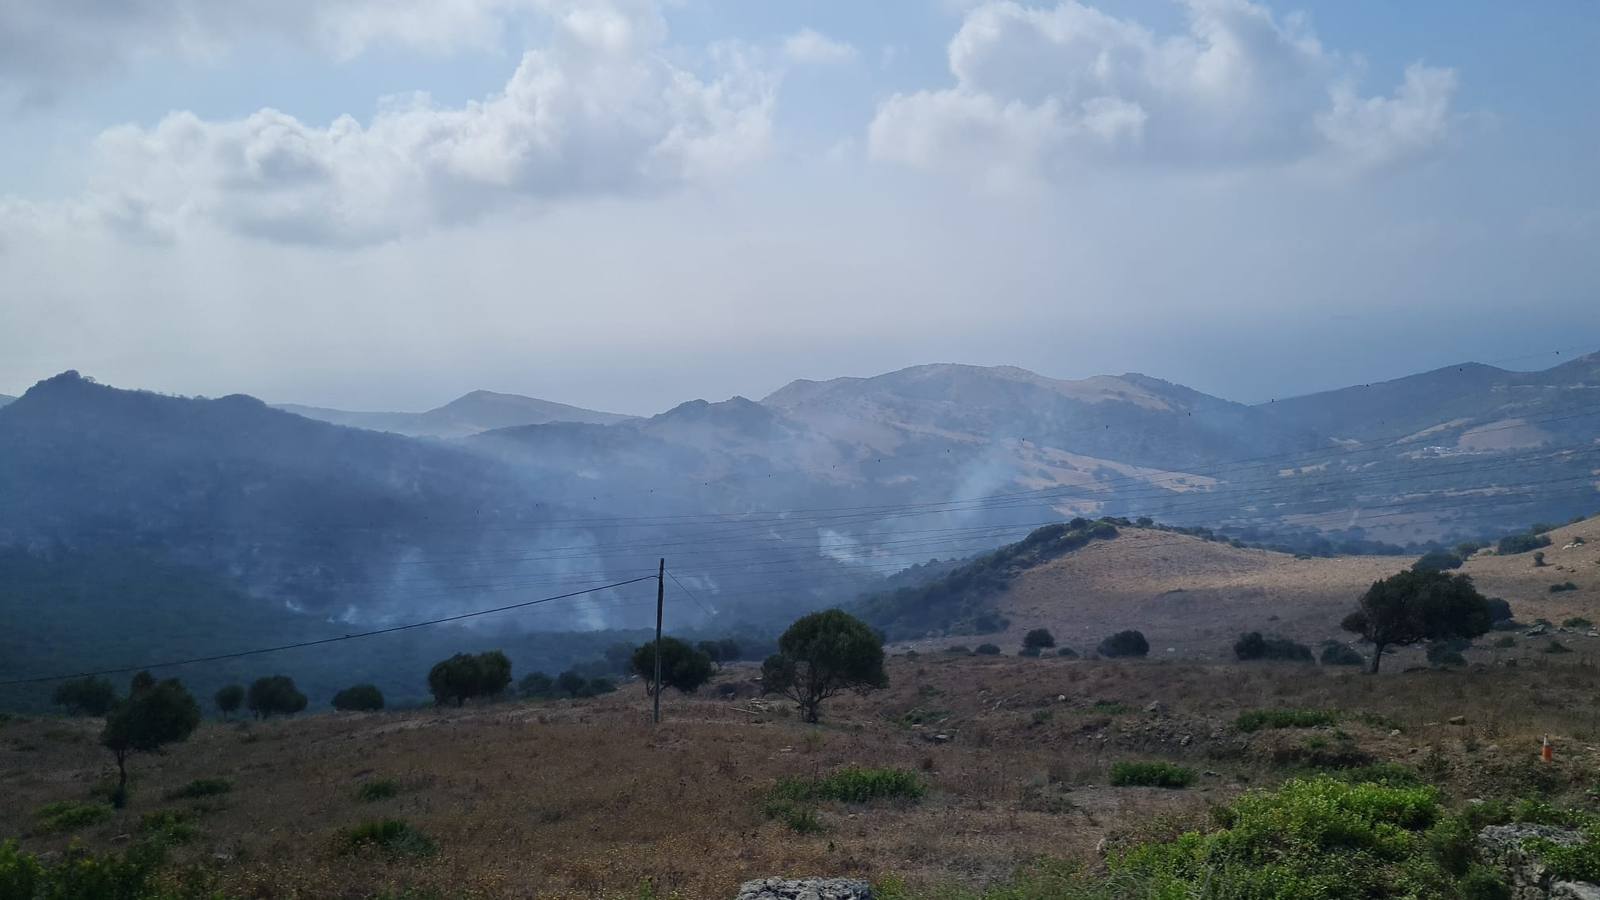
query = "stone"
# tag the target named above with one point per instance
(1394, 732)
(1156, 707)
(1458, 720)
(1502, 845)
(804, 889)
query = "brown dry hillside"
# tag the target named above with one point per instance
(1195, 596)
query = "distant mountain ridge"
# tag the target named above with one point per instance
(6, 399)
(469, 414)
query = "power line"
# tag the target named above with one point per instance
(332, 640)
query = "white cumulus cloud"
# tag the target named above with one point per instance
(810, 47)
(1041, 90)
(599, 110)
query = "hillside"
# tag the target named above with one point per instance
(1196, 596)
(6, 399)
(466, 415)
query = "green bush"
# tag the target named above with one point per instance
(1039, 638)
(1067, 653)
(1254, 646)
(81, 875)
(1392, 774)
(1521, 543)
(1562, 587)
(1257, 719)
(798, 817)
(1151, 774)
(377, 789)
(1125, 643)
(961, 649)
(67, 815)
(1578, 622)
(853, 785)
(170, 825)
(1335, 653)
(1437, 561)
(390, 836)
(359, 698)
(1557, 647)
(987, 650)
(201, 787)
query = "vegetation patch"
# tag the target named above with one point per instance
(1254, 646)
(1151, 774)
(63, 816)
(81, 874)
(172, 825)
(1562, 588)
(377, 789)
(394, 837)
(853, 785)
(199, 788)
(1258, 719)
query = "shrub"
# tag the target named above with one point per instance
(987, 650)
(1436, 561)
(798, 817)
(1505, 642)
(1067, 653)
(1564, 586)
(1557, 647)
(359, 698)
(1538, 559)
(1521, 543)
(81, 874)
(1444, 653)
(466, 676)
(377, 789)
(1039, 638)
(390, 836)
(200, 787)
(1578, 622)
(1124, 643)
(1151, 774)
(1030, 652)
(962, 649)
(229, 698)
(536, 685)
(1465, 549)
(1499, 610)
(1254, 646)
(682, 666)
(1257, 719)
(170, 825)
(1335, 653)
(275, 695)
(69, 816)
(88, 696)
(853, 785)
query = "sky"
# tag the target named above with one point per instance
(624, 204)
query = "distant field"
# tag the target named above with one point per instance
(586, 799)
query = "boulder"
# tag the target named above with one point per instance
(805, 889)
(1525, 871)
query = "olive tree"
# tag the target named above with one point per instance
(275, 695)
(229, 699)
(682, 666)
(1419, 606)
(467, 675)
(153, 715)
(821, 655)
(87, 696)
(359, 698)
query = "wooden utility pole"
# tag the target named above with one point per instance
(661, 593)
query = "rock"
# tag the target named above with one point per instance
(939, 738)
(1458, 720)
(1394, 732)
(1529, 878)
(1156, 707)
(804, 889)
(1061, 698)
(1184, 741)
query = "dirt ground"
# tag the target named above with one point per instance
(587, 799)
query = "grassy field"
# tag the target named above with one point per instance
(1012, 760)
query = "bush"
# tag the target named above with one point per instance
(1254, 646)
(1030, 652)
(987, 650)
(275, 695)
(1521, 543)
(169, 825)
(798, 817)
(536, 685)
(962, 649)
(229, 698)
(201, 787)
(359, 698)
(1124, 643)
(1578, 622)
(853, 785)
(1257, 719)
(1557, 647)
(1335, 653)
(1505, 642)
(1445, 653)
(1067, 653)
(1436, 561)
(377, 789)
(81, 874)
(88, 696)
(1039, 638)
(1499, 610)
(1151, 774)
(467, 676)
(390, 836)
(1564, 586)
(69, 816)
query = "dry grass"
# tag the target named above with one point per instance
(586, 799)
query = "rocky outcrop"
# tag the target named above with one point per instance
(1530, 879)
(805, 889)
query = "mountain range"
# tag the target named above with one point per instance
(807, 497)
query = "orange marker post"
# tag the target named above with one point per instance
(1547, 752)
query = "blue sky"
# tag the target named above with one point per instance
(626, 204)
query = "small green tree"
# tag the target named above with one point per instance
(571, 684)
(274, 695)
(1436, 561)
(1038, 639)
(87, 696)
(535, 684)
(1419, 606)
(359, 698)
(467, 675)
(682, 666)
(153, 715)
(229, 699)
(821, 655)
